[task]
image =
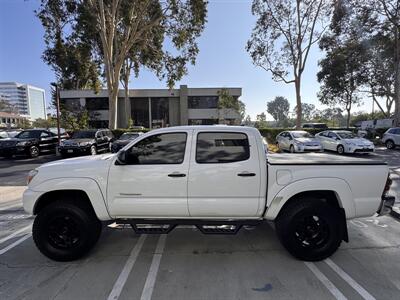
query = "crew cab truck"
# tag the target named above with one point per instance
(217, 178)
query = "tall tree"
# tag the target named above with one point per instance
(307, 110)
(226, 101)
(113, 28)
(284, 33)
(342, 70)
(278, 109)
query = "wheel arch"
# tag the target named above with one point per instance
(82, 190)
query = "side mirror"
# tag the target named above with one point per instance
(121, 158)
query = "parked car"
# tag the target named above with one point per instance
(89, 141)
(124, 140)
(4, 135)
(231, 183)
(28, 142)
(391, 138)
(343, 141)
(298, 141)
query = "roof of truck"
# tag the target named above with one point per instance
(208, 128)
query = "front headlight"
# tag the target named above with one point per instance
(31, 174)
(84, 143)
(298, 143)
(22, 143)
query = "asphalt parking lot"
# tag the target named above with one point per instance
(186, 264)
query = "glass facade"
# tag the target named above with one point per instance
(159, 112)
(97, 103)
(140, 112)
(202, 102)
(37, 104)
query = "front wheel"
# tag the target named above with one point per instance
(340, 149)
(93, 150)
(291, 149)
(65, 231)
(310, 229)
(33, 151)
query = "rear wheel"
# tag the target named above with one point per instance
(93, 150)
(33, 151)
(389, 144)
(310, 229)
(340, 149)
(65, 231)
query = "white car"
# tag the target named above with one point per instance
(298, 141)
(216, 178)
(391, 138)
(343, 141)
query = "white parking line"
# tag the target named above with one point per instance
(119, 284)
(16, 243)
(349, 280)
(325, 281)
(155, 264)
(14, 234)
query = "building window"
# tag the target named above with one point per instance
(196, 102)
(97, 103)
(159, 112)
(203, 121)
(140, 112)
(98, 124)
(221, 147)
(71, 104)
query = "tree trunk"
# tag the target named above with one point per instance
(298, 102)
(126, 100)
(112, 110)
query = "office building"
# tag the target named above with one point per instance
(25, 99)
(154, 108)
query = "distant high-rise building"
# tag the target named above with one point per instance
(26, 99)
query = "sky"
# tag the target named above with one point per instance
(222, 61)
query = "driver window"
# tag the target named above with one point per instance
(44, 134)
(332, 135)
(168, 148)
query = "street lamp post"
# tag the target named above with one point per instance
(58, 111)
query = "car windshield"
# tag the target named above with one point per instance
(346, 135)
(28, 134)
(129, 136)
(83, 135)
(301, 134)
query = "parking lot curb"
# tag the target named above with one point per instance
(395, 212)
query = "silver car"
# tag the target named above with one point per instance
(391, 138)
(343, 141)
(298, 141)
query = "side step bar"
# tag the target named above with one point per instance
(164, 226)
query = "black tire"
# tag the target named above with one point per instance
(93, 150)
(310, 229)
(64, 231)
(34, 151)
(390, 144)
(340, 149)
(291, 149)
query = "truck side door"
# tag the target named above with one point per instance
(153, 182)
(224, 175)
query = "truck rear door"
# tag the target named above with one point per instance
(224, 175)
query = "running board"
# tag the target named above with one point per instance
(164, 226)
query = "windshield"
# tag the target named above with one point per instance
(129, 136)
(83, 135)
(28, 134)
(301, 134)
(346, 135)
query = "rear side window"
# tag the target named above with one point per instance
(221, 147)
(168, 148)
(394, 131)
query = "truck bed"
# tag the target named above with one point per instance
(319, 159)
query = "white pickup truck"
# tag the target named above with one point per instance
(217, 178)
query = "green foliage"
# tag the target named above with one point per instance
(227, 101)
(278, 109)
(307, 110)
(45, 123)
(74, 120)
(261, 121)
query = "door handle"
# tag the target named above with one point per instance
(176, 175)
(246, 174)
